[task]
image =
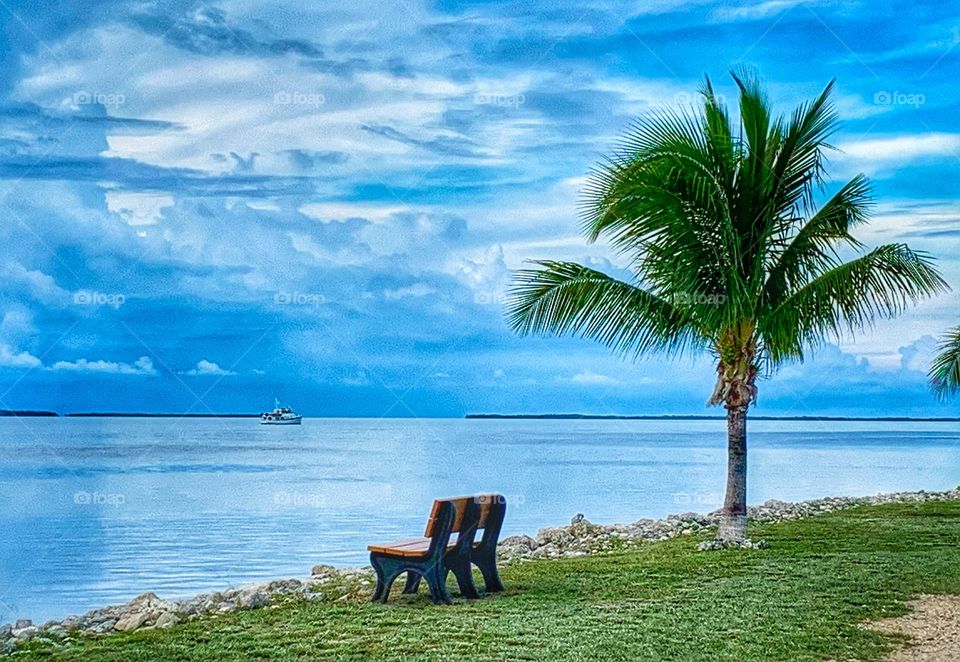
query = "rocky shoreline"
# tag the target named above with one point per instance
(579, 538)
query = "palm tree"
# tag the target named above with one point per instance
(729, 254)
(945, 370)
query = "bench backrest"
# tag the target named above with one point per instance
(490, 506)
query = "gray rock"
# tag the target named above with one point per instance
(715, 545)
(146, 601)
(56, 630)
(519, 541)
(105, 626)
(253, 597)
(185, 608)
(686, 517)
(22, 634)
(284, 586)
(166, 619)
(22, 623)
(6, 631)
(576, 519)
(547, 550)
(133, 621)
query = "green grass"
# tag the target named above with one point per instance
(802, 599)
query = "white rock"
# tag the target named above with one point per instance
(25, 633)
(167, 619)
(252, 597)
(133, 621)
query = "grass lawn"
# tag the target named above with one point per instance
(802, 599)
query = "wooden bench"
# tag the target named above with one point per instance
(438, 553)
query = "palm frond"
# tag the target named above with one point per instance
(564, 298)
(849, 297)
(945, 369)
(817, 241)
(797, 166)
(662, 201)
(794, 171)
(755, 119)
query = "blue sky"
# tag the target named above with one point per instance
(206, 205)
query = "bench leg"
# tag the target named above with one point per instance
(379, 591)
(461, 570)
(436, 580)
(487, 563)
(387, 571)
(413, 583)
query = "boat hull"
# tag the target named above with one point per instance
(282, 421)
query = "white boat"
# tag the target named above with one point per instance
(280, 416)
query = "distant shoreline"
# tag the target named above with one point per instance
(547, 417)
(691, 417)
(143, 415)
(26, 412)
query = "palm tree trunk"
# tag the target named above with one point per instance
(733, 521)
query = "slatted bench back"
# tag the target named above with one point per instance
(484, 501)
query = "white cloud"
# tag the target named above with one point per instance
(877, 155)
(39, 285)
(16, 325)
(359, 379)
(142, 366)
(332, 212)
(918, 355)
(11, 358)
(415, 290)
(759, 10)
(138, 208)
(207, 368)
(587, 378)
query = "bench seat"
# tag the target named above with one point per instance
(412, 546)
(409, 547)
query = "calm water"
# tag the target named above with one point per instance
(95, 511)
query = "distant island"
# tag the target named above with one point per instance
(691, 417)
(94, 414)
(26, 412)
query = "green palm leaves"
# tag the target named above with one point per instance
(718, 222)
(945, 371)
